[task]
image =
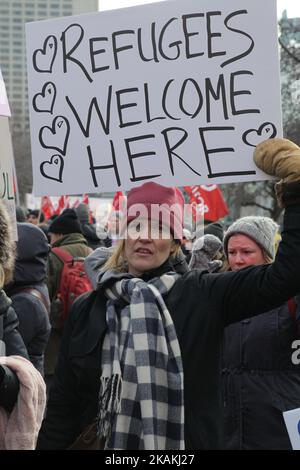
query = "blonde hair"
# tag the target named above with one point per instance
(2, 277)
(118, 262)
(7, 244)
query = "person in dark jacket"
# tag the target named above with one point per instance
(29, 292)
(259, 379)
(88, 230)
(65, 233)
(147, 335)
(11, 342)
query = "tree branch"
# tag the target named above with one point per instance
(269, 209)
(286, 49)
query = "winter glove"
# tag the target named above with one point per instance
(179, 263)
(203, 252)
(281, 158)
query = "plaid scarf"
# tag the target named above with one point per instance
(141, 391)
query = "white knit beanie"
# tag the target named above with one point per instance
(260, 229)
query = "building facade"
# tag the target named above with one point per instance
(13, 16)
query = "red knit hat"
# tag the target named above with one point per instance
(157, 202)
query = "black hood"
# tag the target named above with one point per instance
(32, 254)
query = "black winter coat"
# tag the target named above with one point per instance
(14, 345)
(201, 305)
(30, 273)
(259, 380)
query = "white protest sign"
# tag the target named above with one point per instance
(6, 172)
(175, 92)
(4, 106)
(292, 422)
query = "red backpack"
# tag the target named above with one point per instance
(73, 282)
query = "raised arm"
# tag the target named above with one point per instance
(255, 290)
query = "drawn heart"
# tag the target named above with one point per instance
(253, 137)
(44, 102)
(56, 137)
(43, 59)
(53, 170)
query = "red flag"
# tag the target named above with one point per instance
(47, 207)
(85, 199)
(76, 203)
(63, 203)
(119, 201)
(209, 201)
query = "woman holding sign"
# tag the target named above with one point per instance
(141, 354)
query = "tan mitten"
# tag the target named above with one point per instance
(281, 158)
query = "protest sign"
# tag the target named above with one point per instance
(175, 92)
(6, 172)
(292, 422)
(4, 106)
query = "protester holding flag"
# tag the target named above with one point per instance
(141, 354)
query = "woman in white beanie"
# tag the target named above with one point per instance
(259, 380)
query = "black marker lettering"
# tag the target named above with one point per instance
(170, 148)
(93, 53)
(208, 152)
(211, 35)
(94, 168)
(249, 50)
(153, 42)
(164, 101)
(132, 156)
(93, 104)
(147, 106)
(68, 55)
(121, 106)
(188, 35)
(117, 49)
(6, 188)
(175, 44)
(234, 93)
(220, 92)
(198, 103)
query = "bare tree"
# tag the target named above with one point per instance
(259, 198)
(22, 154)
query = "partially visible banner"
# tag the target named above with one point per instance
(47, 207)
(208, 201)
(4, 106)
(292, 422)
(7, 193)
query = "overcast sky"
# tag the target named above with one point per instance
(292, 6)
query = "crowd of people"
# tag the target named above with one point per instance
(178, 342)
